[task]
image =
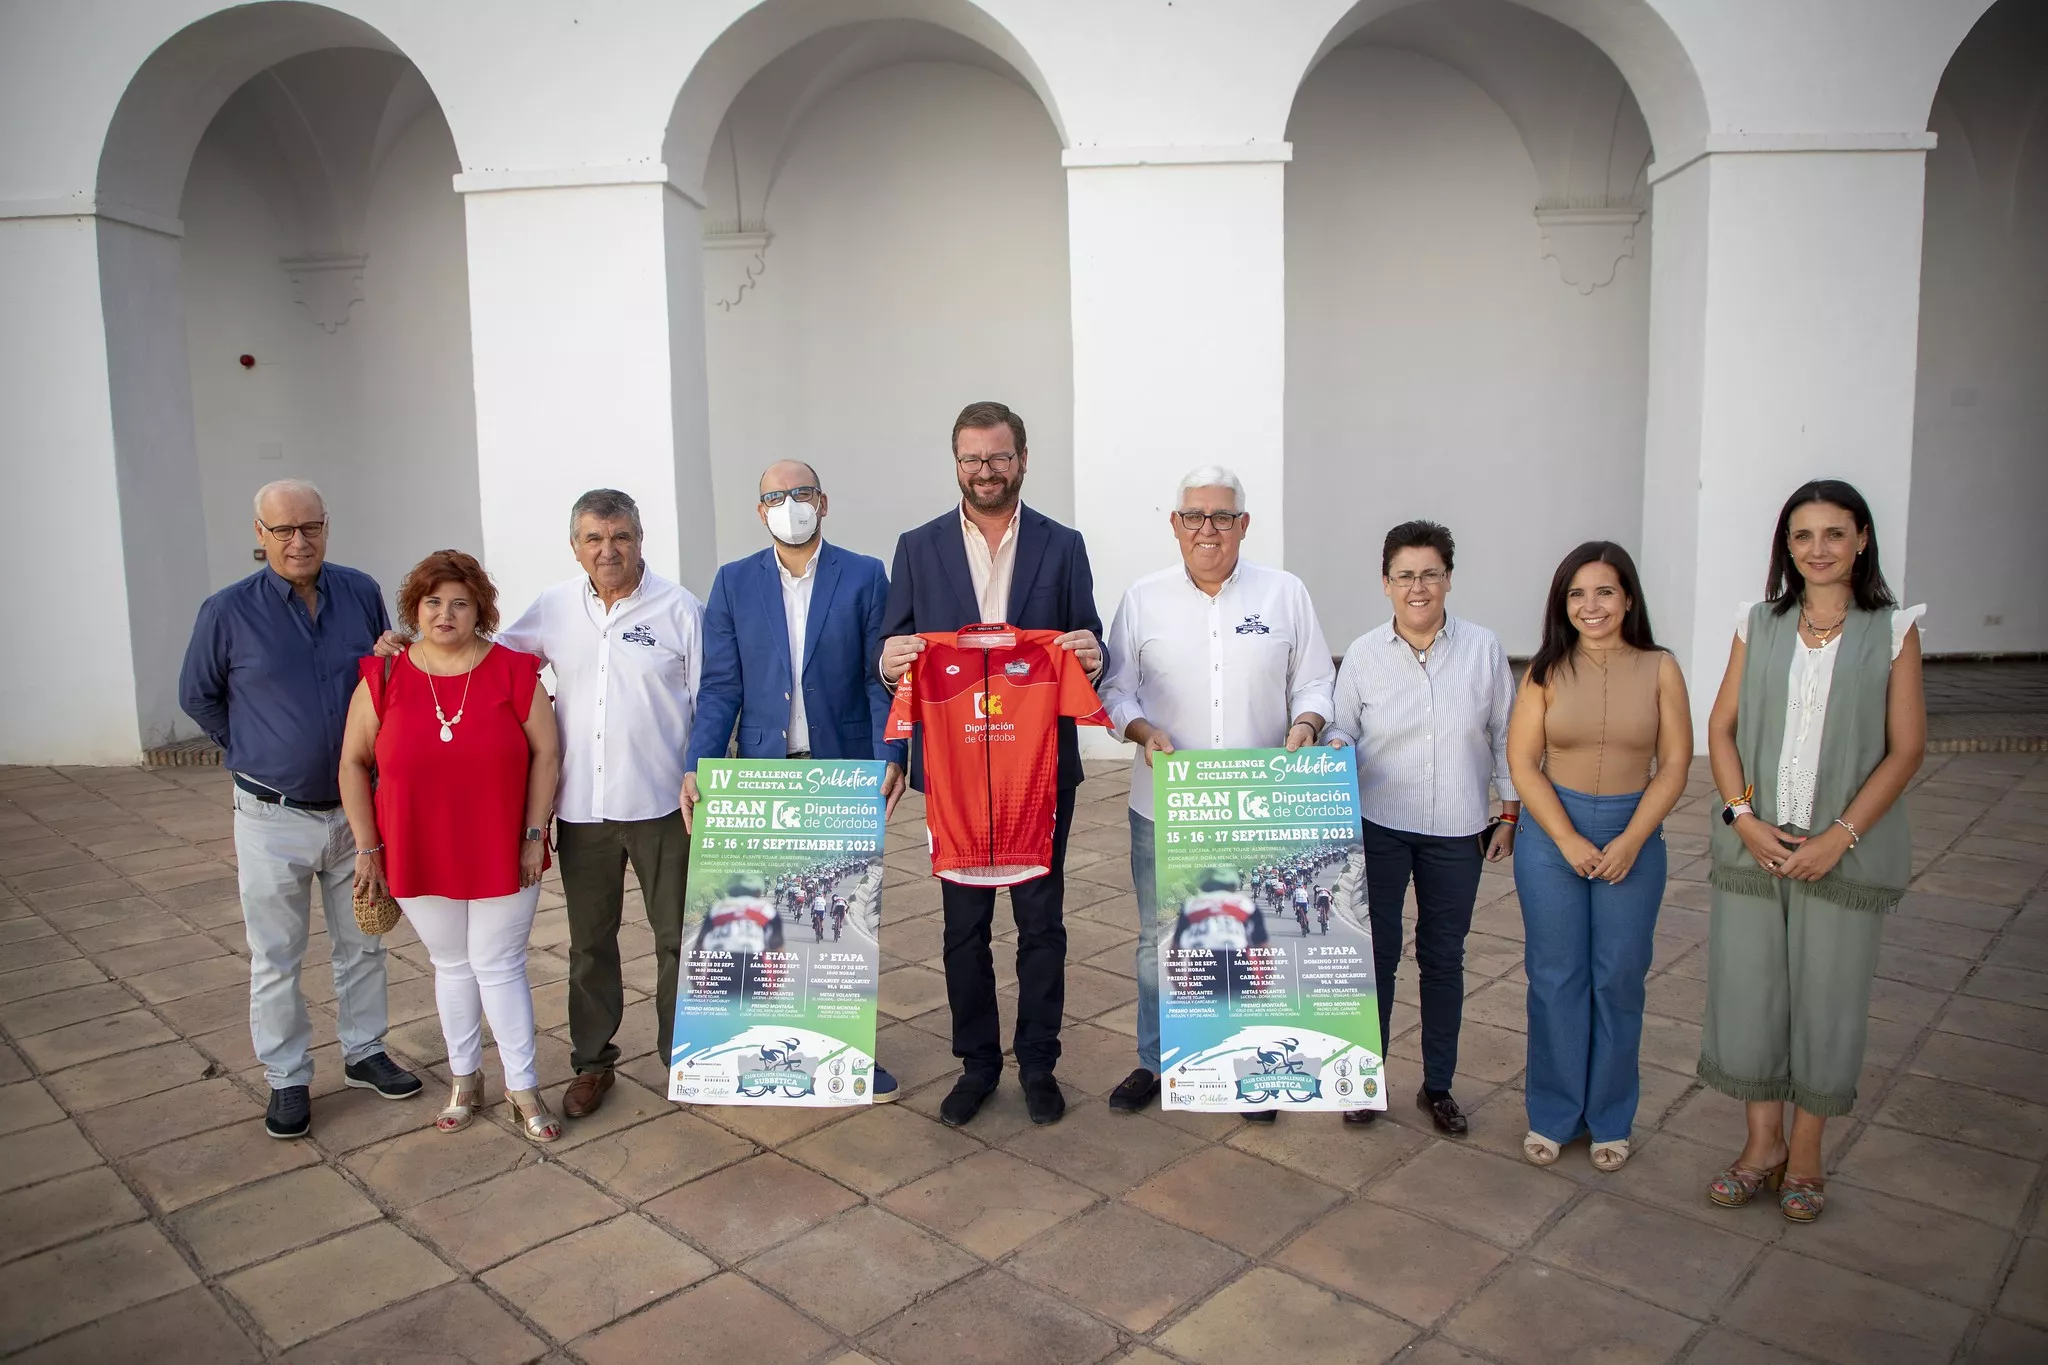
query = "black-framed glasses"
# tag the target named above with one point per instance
(1222, 521)
(804, 493)
(313, 531)
(973, 463)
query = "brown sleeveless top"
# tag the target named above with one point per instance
(1600, 729)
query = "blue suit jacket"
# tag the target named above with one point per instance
(1052, 588)
(747, 676)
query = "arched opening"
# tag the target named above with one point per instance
(1980, 431)
(1468, 234)
(885, 241)
(286, 296)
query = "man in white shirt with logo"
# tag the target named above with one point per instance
(626, 647)
(1214, 653)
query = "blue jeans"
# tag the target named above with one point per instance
(1588, 951)
(1144, 859)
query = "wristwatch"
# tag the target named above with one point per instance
(534, 833)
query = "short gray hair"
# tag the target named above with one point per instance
(605, 504)
(1210, 476)
(288, 486)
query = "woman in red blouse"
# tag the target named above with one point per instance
(466, 755)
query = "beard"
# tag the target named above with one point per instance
(993, 500)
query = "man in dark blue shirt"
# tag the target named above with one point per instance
(268, 676)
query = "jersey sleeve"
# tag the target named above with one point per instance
(903, 706)
(1077, 698)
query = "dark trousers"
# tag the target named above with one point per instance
(1446, 876)
(594, 858)
(1039, 908)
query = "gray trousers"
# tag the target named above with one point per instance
(1788, 998)
(279, 853)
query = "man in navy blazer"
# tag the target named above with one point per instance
(790, 635)
(993, 559)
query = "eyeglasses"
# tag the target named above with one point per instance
(973, 463)
(804, 493)
(1428, 578)
(1222, 521)
(313, 531)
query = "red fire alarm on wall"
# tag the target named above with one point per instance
(248, 362)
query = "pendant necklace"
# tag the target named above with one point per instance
(1824, 636)
(448, 725)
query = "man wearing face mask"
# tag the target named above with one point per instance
(789, 636)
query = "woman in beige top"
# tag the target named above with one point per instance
(1598, 747)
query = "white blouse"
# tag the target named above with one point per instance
(1806, 711)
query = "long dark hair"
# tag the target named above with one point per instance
(1866, 580)
(1560, 636)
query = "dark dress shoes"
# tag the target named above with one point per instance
(586, 1093)
(290, 1114)
(1361, 1117)
(965, 1099)
(1135, 1092)
(1043, 1100)
(1443, 1111)
(1263, 1116)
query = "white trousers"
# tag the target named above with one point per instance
(479, 953)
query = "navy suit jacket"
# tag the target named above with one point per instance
(1052, 588)
(747, 678)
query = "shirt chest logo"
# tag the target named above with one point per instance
(1017, 668)
(640, 635)
(1252, 625)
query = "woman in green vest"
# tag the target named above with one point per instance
(1819, 725)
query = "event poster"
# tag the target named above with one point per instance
(1266, 993)
(775, 1001)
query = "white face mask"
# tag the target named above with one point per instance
(794, 523)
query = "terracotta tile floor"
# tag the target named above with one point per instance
(145, 1217)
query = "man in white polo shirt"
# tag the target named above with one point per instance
(1213, 653)
(625, 644)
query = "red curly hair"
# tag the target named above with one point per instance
(449, 566)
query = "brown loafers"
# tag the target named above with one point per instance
(586, 1093)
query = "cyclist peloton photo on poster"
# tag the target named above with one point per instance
(1266, 994)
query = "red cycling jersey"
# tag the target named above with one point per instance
(990, 698)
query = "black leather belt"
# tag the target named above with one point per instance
(799, 753)
(271, 798)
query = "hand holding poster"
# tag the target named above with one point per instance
(776, 1002)
(1266, 995)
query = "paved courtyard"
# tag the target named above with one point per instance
(145, 1216)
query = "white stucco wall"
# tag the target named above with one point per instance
(380, 412)
(1785, 319)
(1437, 365)
(918, 263)
(1980, 437)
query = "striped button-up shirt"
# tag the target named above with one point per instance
(1432, 734)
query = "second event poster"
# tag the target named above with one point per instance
(1266, 993)
(782, 907)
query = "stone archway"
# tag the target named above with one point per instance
(327, 100)
(854, 300)
(1980, 438)
(1468, 301)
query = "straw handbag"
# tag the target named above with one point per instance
(376, 910)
